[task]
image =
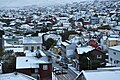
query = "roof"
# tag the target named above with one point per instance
(65, 43)
(15, 49)
(102, 75)
(115, 47)
(32, 40)
(81, 50)
(12, 76)
(30, 62)
(113, 38)
(29, 53)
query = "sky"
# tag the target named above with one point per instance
(20, 3)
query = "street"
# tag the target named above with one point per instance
(70, 74)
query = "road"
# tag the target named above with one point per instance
(69, 76)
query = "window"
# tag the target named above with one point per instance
(36, 70)
(116, 62)
(26, 48)
(99, 56)
(32, 48)
(114, 53)
(45, 67)
(38, 47)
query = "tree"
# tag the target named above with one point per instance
(105, 27)
(9, 62)
(49, 43)
(1, 52)
(66, 34)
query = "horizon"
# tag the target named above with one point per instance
(22, 3)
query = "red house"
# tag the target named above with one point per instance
(93, 43)
(40, 68)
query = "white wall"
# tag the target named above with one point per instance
(34, 45)
(111, 54)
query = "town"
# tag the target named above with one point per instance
(76, 41)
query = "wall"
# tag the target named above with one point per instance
(35, 46)
(115, 55)
(45, 74)
(25, 71)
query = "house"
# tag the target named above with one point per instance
(113, 41)
(93, 43)
(32, 43)
(99, 75)
(88, 54)
(34, 66)
(15, 76)
(67, 49)
(103, 42)
(114, 55)
(11, 40)
(94, 19)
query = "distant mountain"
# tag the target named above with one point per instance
(21, 3)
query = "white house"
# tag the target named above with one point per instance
(99, 75)
(114, 55)
(68, 49)
(32, 43)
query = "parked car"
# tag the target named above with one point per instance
(64, 72)
(57, 61)
(55, 69)
(65, 66)
(58, 72)
(61, 63)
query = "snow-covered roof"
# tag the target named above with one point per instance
(109, 68)
(102, 75)
(112, 38)
(117, 28)
(32, 40)
(81, 50)
(53, 36)
(114, 35)
(15, 49)
(7, 44)
(29, 53)
(65, 43)
(104, 37)
(115, 47)
(13, 76)
(30, 62)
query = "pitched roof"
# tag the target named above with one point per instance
(115, 47)
(81, 50)
(100, 75)
(32, 40)
(30, 62)
(15, 76)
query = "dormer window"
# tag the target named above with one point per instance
(32, 48)
(26, 60)
(114, 53)
(99, 56)
(38, 47)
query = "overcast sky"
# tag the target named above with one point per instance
(19, 3)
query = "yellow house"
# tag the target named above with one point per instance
(113, 42)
